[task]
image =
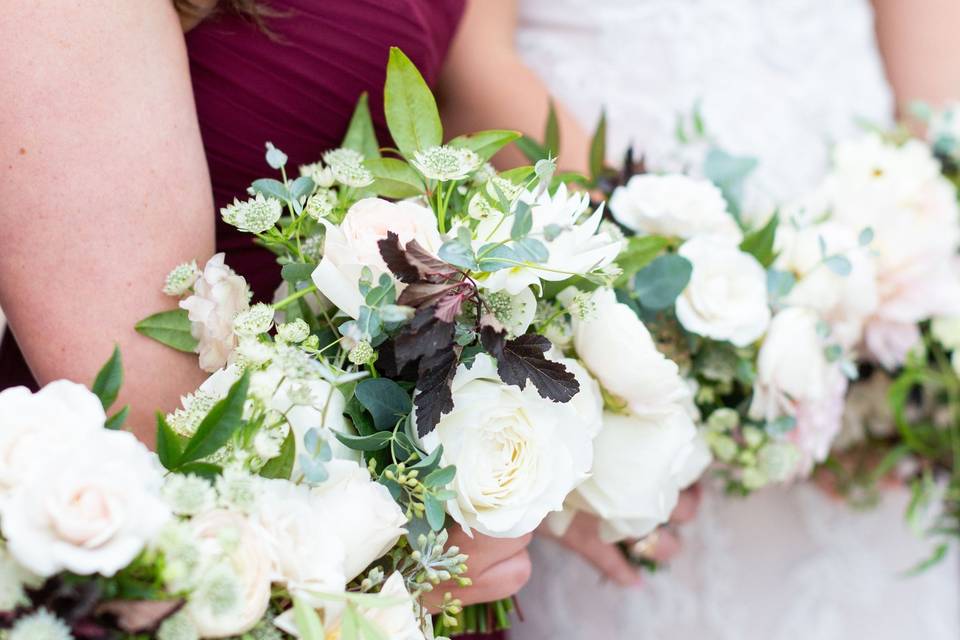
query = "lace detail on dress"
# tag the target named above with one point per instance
(777, 80)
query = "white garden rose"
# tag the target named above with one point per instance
(517, 454)
(219, 294)
(726, 298)
(352, 503)
(31, 422)
(619, 352)
(673, 205)
(794, 378)
(844, 301)
(640, 465)
(575, 244)
(89, 504)
(234, 605)
(352, 245)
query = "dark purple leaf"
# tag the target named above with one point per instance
(396, 259)
(523, 359)
(448, 307)
(424, 336)
(424, 293)
(434, 398)
(431, 268)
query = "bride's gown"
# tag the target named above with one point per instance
(778, 80)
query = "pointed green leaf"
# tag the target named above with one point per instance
(440, 477)
(361, 135)
(219, 425)
(169, 443)
(598, 148)
(309, 626)
(411, 110)
(485, 143)
(640, 251)
(171, 328)
(282, 466)
(386, 401)
(394, 178)
(761, 243)
(551, 133)
(373, 442)
(115, 422)
(295, 272)
(107, 384)
(533, 150)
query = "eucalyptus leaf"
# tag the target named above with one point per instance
(171, 328)
(301, 187)
(729, 173)
(271, 188)
(779, 283)
(839, 264)
(658, 285)
(410, 108)
(639, 252)
(294, 272)
(440, 477)
(531, 250)
(496, 257)
(458, 254)
(436, 514)
(386, 401)
(522, 221)
(866, 236)
(374, 442)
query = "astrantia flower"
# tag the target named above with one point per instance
(445, 163)
(180, 280)
(41, 625)
(237, 490)
(179, 626)
(255, 215)
(188, 495)
(320, 205)
(219, 295)
(322, 176)
(254, 321)
(347, 167)
(293, 332)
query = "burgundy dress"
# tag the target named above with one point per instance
(297, 89)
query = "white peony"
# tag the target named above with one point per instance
(31, 422)
(219, 295)
(843, 301)
(673, 205)
(794, 378)
(619, 352)
(352, 245)
(235, 604)
(89, 504)
(726, 298)
(361, 513)
(577, 248)
(640, 465)
(517, 454)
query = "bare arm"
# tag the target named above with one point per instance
(103, 188)
(920, 47)
(485, 85)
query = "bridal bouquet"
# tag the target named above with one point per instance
(445, 332)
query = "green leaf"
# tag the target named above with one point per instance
(517, 175)
(394, 178)
(115, 422)
(485, 143)
(282, 466)
(459, 254)
(359, 417)
(522, 221)
(206, 470)
(551, 133)
(598, 148)
(779, 284)
(760, 243)
(939, 553)
(309, 626)
(271, 188)
(659, 283)
(411, 110)
(107, 384)
(729, 173)
(440, 477)
(436, 514)
(386, 401)
(302, 186)
(496, 257)
(839, 264)
(640, 251)
(373, 442)
(169, 443)
(220, 424)
(361, 135)
(531, 250)
(428, 464)
(295, 272)
(171, 328)
(533, 150)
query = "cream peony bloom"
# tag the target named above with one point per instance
(219, 295)
(517, 455)
(579, 246)
(353, 245)
(239, 550)
(640, 465)
(89, 504)
(795, 379)
(352, 502)
(726, 298)
(673, 205)
(31, 422)
(619, 352)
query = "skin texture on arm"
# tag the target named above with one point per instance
(921, 50)
(103, 188)
(485, 85)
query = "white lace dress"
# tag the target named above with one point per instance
(778, 80)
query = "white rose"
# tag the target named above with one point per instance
(307, 557)
(843, 301)
(640, 464)
(30, 422)
(673, 205)
(618, 350)
(795, 379)
(89, 504)
(517, 455)
(246, 555)
(352, 245)
(219, 295)
(577, 248)
(361, 513)
(726, 298)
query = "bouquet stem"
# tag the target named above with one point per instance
(488, 617)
